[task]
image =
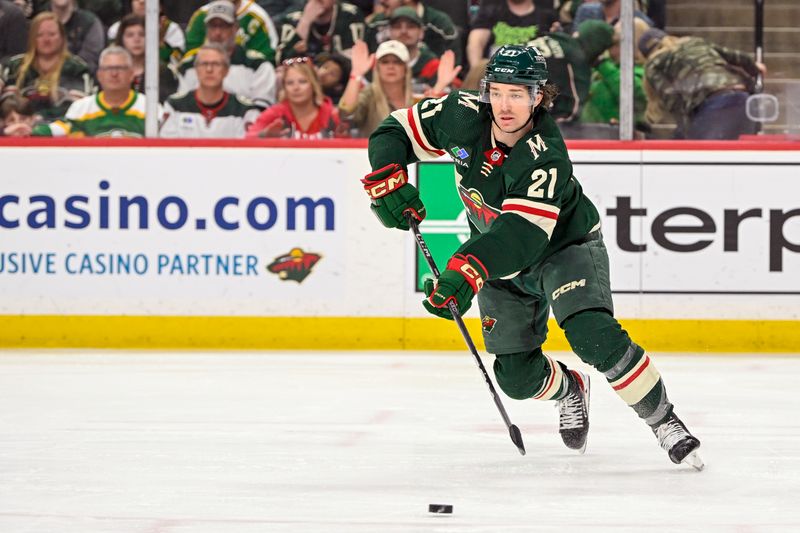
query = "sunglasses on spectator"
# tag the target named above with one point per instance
(295, 60)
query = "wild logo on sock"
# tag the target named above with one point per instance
(295, 266)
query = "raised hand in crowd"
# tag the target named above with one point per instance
(446, 73)
(312, 10)
(362, 61)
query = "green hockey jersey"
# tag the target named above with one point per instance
(569, 70)
(186, 117)
(523, 203)
(256, 30)
(93, 117)
(345, 28)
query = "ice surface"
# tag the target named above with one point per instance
(360, 442)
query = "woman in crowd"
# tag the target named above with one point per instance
(172, 41)
(131, 38)
(47, 74)
(303, 111)
(366, 107)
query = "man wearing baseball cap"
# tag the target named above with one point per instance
(251, 75)
(254, 26)
(406, 26)
(440, 32)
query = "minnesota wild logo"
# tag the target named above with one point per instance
(294, 266)
(481, 213)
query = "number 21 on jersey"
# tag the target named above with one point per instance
(542, 180)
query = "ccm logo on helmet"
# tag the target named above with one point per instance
(505, 70)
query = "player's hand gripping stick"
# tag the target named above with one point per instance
(513, 431)
(393, 196)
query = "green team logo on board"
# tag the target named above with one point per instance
(445, 227)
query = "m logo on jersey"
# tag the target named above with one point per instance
(294, 266)
(469, 100)
(537, 145)
(481, 213)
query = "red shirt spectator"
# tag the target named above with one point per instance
(303, 111)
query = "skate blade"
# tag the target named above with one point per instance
(694, 460)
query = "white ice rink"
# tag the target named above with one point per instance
(129, 442)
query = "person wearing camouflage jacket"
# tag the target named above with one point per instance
(703, 87)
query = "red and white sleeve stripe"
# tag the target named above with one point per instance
(541, 215)
(409, 119)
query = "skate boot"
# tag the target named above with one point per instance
(573, 412)
(681, 446)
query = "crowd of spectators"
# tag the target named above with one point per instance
(310, 69)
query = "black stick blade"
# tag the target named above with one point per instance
(516, 438)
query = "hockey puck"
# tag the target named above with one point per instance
(438, 508)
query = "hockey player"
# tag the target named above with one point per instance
(535, 244)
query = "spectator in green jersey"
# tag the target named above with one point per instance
(440, 34)
(406, 26)
(208, 112)
(322, 26)
(256, 30)
(569, 62)
(602, 104)
(250, 75)
(115, 111)
(47, 74)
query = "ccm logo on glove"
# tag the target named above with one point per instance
(462, 265)
(382, 187)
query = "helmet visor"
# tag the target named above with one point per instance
(509, 93)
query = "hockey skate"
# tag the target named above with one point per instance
(573, 412)
(681, 446)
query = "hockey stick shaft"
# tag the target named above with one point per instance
(513, 431)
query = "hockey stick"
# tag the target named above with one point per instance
(513, 431)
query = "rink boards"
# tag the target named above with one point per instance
(253, 245)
